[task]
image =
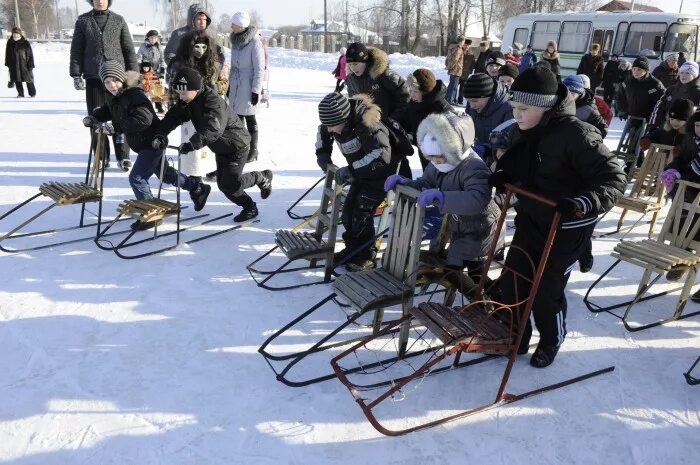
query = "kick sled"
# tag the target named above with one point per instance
(675, 248)
(156, 210)
(486, 328)
(64, 194)
(689, 378)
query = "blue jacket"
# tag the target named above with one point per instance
(497, 110)
(527, 61)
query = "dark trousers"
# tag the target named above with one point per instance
(232, 181)
(95, 96)
(608, 94)
(460, 91)
(147, 164)
(252, 125)
(358, 218)
(549, 309)
(30, 89)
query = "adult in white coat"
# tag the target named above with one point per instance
(246, 75)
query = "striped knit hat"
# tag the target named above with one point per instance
(479, 85)
(496, 58)
(536, 87)
(112, 69)
(334, 109)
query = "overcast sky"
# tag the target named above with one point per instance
(288, 12)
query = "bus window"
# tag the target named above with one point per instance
(644, 39)
(521, 36)
(620, 38)
(543, 32)
(682, 38)
(607, 41)
(574, 37)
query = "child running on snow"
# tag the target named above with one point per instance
(132, 114)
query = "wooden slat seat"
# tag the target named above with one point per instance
(298, 244)
(148, 210)
(474, 325)
(370, 289)
(655, 254)
(638, 205)
(64, 193)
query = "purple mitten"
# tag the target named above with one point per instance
(669, 178)
(392, 181)
(431, 197)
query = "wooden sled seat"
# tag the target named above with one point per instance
(476, 327)
(64, 193)
(296, 244)
(638, 204)
(370, 289)
(654, 255)
(148, 210)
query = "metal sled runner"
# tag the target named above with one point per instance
(484, 327)
(156, 210)
(689, 378)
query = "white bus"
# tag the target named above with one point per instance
(628, 34)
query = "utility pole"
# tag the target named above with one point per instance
(17, 23)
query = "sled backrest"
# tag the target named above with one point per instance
(683, 221)
(400, 258)
(646, 182)
(95, 170)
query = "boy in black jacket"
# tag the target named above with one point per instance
(557, 156)
(355, 125)
(674, 129)
(221, 131)
(132, 114)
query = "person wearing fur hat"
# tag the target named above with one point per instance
(487, 105)
(667, 70)
(557, 156)
(220, 130)
(341, 70)
(592, 65)
(427, 95)
(610, 78)
(19, 60)
(586, 108)
(507, 74)
(456, 181)
(551, 56)
(454, 62)
(494, 62)
(355, 126)
(468, 62)
(369, 73)
(132, 114)
(674, 129)
(100, 35)
(149, 51)
(687, 87)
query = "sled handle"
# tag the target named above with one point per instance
(525, 193)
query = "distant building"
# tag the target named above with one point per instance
(337, 28)
(619, 5)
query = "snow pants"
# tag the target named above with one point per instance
(95, 96)
(231, 179)
(358, 218)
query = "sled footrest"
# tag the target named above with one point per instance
(148, 210)
(65, 193)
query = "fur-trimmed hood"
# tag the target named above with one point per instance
(133, 79)
(366, 110)
(454, 134)
(240, 40)
(378, 62)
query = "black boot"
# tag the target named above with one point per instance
(210, 177)
(253, 152)
(199, 196)
(544, 355)
(248, 213)
(139, 225)
(266, 184)
(585, 262)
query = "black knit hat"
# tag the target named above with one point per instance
(695, 118)
(357, 53)
(641, 62)
(151, 33)
(187, 79)
(681, 109)
(496, 58)
(112, 69)
(509, 69)
(536, 87)
(334, 109)
(479, 85)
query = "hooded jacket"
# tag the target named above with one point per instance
(587, 110)
(592, 66)
(387, 88)
(434, 101)
(689, 91)
(247, 70)
(19, 60)
(563, 157)
(364, 143)
(496, 111)
(472, 214)
(175, 36)
(132, 114)
(638, 97)
(666, 75)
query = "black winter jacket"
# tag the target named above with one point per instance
(666, 75)
(132, 114)
(689, 91)
(384, 85)
(611, 74)
(665, 136)
(687, 162)
(587, 110)
(364, 143)
(591, 66)
(90, 46)
(19, 59)
(217, 128)
(637, 97)
(563, 158)
(433, 102)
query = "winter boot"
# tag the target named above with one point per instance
(340, 255)
(210, 177)
(675, 273)
(253, 152)
(585, 263)
(139, 225)
(125, 164)
(248, 213)
(199, 196)
(544, 355)
(266, 184)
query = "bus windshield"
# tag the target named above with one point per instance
(682, 38)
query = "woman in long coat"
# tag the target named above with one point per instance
(20, 62)
(246, 75)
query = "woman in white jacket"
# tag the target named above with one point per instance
(246, 75)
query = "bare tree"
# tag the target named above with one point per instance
(38, 17)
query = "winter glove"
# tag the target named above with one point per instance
(343, 175)
(159, 142)
(644, 144)
(393, 180)
(623, 116)
(90, 121)
(254, 98)
(185, 148)
(499, 179)
(669, 178)
(431, 197)
(570, 208)
(78, 83)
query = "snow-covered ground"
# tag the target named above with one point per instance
(153, 361)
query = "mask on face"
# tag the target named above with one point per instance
(200, 50)
(443, 167)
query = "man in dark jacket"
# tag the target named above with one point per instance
(468, 62)
(667, 71)
(592, 66)
(487, 105)
(101, 35)
(480, 62)
(370, 74)
(355, 126)
(611, 74)
(223, 132)
(559, 157)
(687, 88)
